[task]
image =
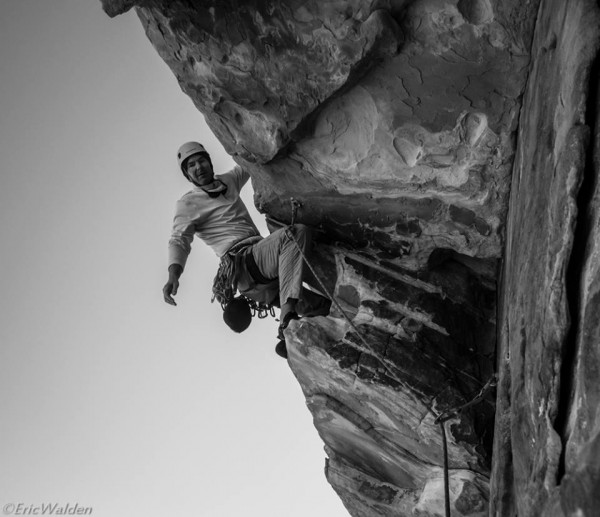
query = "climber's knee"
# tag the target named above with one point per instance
(301, 232)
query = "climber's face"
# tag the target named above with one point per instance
(199, 169)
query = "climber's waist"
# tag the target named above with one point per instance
(240, 246)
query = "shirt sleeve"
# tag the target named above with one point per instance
(182, 235)
(240, 176)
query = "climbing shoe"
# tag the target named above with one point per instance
(314, 305)
(285, 321)
(281, 349)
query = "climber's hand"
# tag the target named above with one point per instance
(170, 288)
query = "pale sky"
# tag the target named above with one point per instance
(110, 398)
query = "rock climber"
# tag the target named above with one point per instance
(269, 270)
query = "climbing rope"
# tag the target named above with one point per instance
(440, 419)
(295, 204)
(224, 282)
(446, 470)
(290, 235)
(451, 413)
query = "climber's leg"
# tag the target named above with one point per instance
(278, 256)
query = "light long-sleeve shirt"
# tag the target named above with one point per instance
(219, 221)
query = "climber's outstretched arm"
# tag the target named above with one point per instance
(170, 288)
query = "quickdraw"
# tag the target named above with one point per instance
(260, 310)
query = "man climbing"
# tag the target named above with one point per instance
(268, 270)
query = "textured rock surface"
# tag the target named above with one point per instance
(547, 437)
(395, 123)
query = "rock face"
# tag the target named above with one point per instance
(397, 124)
(547, 446)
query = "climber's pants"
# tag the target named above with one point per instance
(277, 256)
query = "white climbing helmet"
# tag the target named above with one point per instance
(187, 150)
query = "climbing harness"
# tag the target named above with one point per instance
(225, 282)
(440, 419)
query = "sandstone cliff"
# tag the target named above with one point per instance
(448, 153)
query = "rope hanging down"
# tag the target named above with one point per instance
(290, 235)
(451, 413)
(295, 206)
(440, 419)
(447, 415)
